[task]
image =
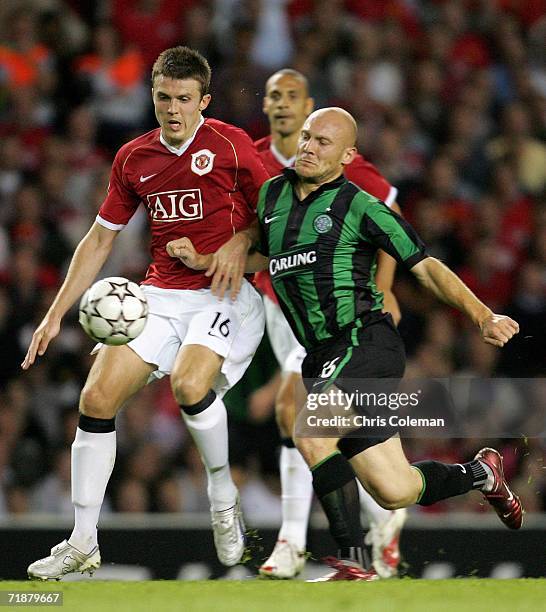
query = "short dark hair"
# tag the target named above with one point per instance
(183, 63)
(295, 74)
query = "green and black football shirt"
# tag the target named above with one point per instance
(323, 252)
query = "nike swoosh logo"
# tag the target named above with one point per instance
(506, 515)
(266, 220)
(510, 495)
(462, 467)
(143, 179)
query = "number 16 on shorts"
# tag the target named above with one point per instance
(220, 326)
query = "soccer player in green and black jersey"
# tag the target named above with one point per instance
(321, 234)
(323, 253)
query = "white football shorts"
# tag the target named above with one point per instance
(288, 351)
(178, 317)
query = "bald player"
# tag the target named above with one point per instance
(287, 104)
(320, 235)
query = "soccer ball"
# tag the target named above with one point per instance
(113, 311)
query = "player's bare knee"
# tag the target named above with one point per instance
(95, 402)
(188, 390)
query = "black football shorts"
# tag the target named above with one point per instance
(366, 358)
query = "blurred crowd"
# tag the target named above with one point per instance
(450, 98)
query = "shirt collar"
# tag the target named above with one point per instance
(184, 147)
(292, 176)
(286, 162)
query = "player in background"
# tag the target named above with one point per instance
(325, 233)
(287, 104)
(198, 177)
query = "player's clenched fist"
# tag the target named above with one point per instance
(498, 329)
(183, 249)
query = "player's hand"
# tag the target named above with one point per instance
(498, 329)
(183, 249)
(390, 304)
(45, 332)
(228, 266)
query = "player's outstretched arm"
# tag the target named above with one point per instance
(185, 251)
(447, 286)
(88, 259)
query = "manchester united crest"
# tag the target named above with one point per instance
(202, 161)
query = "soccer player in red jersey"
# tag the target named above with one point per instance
(200, 178)
(287, 104)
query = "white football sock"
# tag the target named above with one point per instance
(375, 513)
(297, 494)
(490, 482)
(210, 433)
(93, 457)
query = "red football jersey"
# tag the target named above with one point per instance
(360, 172)
(206, 190)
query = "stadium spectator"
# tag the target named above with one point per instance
(150, 25)
(518, 143)
(114, 76)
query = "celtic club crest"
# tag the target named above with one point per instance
(323, 224)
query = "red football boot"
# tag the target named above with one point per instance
(346, 570)
(506, 503)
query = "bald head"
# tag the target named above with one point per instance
(339, 120)
(326, 145)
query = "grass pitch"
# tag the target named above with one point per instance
(405, 595)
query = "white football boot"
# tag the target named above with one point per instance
(229, 534)
(64, 559)
(384, 539)
(285, 562)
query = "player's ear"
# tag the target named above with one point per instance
(205, 101)
(309, 106)
(264, 105)
(348, 156)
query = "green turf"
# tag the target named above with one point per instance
(406, 595)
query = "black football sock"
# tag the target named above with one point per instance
(443, 480)
(288, 442)
(335, 486)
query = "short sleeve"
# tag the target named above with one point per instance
(121, 201)
(389, 231)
